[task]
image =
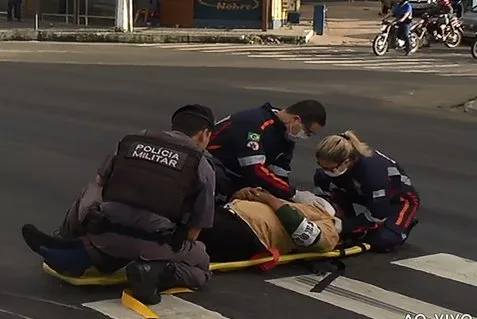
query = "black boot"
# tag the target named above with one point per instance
(35, 238)
(148, 279)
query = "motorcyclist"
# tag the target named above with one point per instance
(438, 17)
(446, 11)
(403, 14)
(446, 7)
(374, 196)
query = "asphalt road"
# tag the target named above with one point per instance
(58, 120)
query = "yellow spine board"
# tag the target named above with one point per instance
(288, 258)
(94, 277)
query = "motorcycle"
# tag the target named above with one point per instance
(440, 29)
(388, 38)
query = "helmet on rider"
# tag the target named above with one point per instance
(445, 3)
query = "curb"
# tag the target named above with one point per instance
(467, 106)
(149, 37)
(309, 35)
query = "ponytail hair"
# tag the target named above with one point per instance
(341, 147)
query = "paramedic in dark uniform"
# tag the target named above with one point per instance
(374, 193)
(157, 194)
(254, 148)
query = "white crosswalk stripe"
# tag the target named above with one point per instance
(447, 64)
(359, 298)
(170, 307)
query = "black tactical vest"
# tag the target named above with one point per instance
(157, 172)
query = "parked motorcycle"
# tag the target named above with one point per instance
(389, 39)
(440, 29)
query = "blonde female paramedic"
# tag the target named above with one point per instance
(374, 194)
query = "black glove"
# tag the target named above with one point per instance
(95, 222)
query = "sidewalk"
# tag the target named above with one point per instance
(348, 23)
(58, 32)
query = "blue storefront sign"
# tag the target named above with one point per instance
(228, 13)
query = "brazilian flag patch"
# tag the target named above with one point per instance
(253, 137)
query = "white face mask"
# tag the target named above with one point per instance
(335, 172)
(301, 135)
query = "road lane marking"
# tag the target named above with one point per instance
(360, 62)
(273, 55)
(171, 307)
(361, 298)
(395, 65)
(445, 266)
(263, 48)
(189, 46)
(418, 66)
(459, 74)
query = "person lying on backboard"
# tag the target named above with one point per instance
(255, 222)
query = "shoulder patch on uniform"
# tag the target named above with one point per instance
(157, 155)
(253, 145)
(253, 137)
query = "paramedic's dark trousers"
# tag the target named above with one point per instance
(14, 8)
(397, 228)
(395, 231)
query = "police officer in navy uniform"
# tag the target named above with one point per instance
(254, 147)
(374, 194)
(157, 193)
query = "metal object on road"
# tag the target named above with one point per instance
(319, 18)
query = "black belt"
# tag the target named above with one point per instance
(336, 268)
